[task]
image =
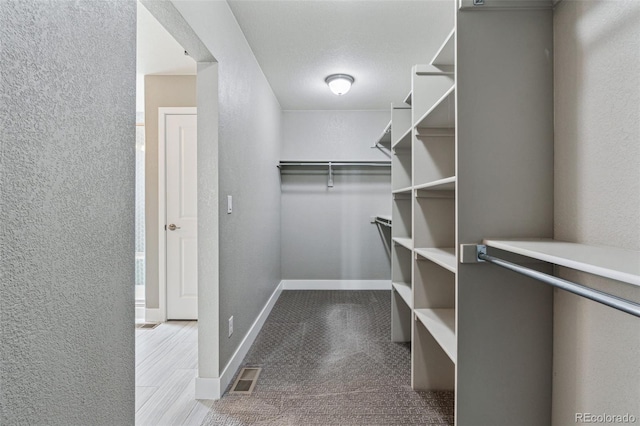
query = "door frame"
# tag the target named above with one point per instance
(163, 112)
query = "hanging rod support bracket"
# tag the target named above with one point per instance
(470, 253)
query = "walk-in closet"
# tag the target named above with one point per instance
(381, 212)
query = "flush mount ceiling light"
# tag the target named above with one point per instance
(339, 83)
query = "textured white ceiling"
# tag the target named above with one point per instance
(299, 43)
(157, 51)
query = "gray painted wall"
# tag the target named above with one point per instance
(249, 147)
(597, 201)
(67, 112)
(159, 91)
(326, 232)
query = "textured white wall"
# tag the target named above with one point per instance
(326, 232)
(249, 147)
(67, 115)
(597, 200)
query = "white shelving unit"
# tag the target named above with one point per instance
(473, 156)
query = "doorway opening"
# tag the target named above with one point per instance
(166, 77)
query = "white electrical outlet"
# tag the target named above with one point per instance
(229, 204)
(230, 325)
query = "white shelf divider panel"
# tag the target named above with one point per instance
(404, 242)
(441, 323)
(442, 114)
(446, 184)
(609, 262)
(404, 290)
(445, 257)
(446, 54)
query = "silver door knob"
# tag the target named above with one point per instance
(173, 227)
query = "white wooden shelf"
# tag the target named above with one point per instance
(445, 257)
(408, 98)
(404, 290)
(405, 190)
(385, 138)
(404, 142)
(446, 184)
(610, 262)
(404, 242)
(442, 114)
(441, 323)
(446, 54)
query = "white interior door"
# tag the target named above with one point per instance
(181, 216)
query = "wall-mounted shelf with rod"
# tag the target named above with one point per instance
(285, 166)
(609, 262)
(383, 220)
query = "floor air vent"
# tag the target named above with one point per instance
(148, 325)
(246, 381)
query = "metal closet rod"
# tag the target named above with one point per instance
(332, 164)
(607, 299)
(336, 163)
(383, 222)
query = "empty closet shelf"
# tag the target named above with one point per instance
(446, 184)
(404, 141)
(404, 290)
(404, 242)
(446, 54)
(445, 257)
(402, 190)
(441, 323)
(384, 141)
(442, 114)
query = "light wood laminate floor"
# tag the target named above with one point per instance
(166, 368)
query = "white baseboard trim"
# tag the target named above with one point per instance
(213, 388)
(336, 284)
(153, 315)
(208, 388)
(140, 311)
